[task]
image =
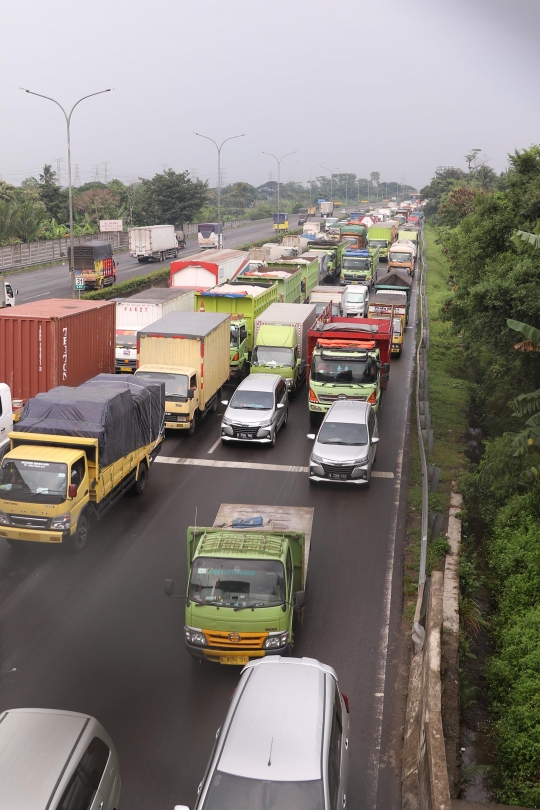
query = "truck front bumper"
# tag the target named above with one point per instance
(233, 657)
(177, 421)
(33, 535)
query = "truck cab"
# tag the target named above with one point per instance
(359, 267)
(7, 295)
(239, 348)
(181, 393)
(247, 578)
(276, 352)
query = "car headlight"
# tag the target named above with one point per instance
(360, 462)
(268, 423)
(276, 640)
(226, 421)
(316, 459)
(194, 636)
(4, 519)
(61, 522)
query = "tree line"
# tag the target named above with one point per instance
(487, 227)
(38, 208)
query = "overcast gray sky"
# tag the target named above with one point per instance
(392, 86)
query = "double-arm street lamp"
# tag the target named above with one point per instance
(243, 135)
(68, 124)
(278, 161)
(310, 171)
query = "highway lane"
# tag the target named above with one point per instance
(94, 632)
(54, 282)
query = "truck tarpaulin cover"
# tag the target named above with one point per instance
(394, 280)
(121, 415)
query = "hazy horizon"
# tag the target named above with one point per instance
(395, 89)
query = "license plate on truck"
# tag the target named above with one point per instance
(239, 660)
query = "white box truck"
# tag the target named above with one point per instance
(140, 311)
(155, 242)
(320, 296)
(209, 268)
(327, 209)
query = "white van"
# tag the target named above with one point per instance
(355, 301)
(284, 742)
(56, 760)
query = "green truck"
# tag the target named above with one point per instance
(395, 282)
(359, 267)
(287, 278)
(281, 341)
(309, 268)
(244, 302)
(247, 579)
(334, 250)
(382, 235)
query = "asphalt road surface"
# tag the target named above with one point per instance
(54, 282)
(95, 633)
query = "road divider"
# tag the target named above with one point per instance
(248, 465)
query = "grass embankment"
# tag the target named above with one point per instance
(448, 409)
(126, 288)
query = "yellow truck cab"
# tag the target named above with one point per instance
(189, 352)
(94, 443)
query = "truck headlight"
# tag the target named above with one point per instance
(276, 640)
(61, 522)
(4, 519)
(194, 636)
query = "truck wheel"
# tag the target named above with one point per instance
(214, 404)
(191, 430)
(140, 484)
(314, 419)
(78, 540)
(140, 260)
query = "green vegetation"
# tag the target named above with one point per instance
(448, 409)
(133, 285)
(491, 305)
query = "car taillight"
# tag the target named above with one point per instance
(346, 702)
(373, 398)
(313, 396)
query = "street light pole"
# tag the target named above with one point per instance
(328, 169)
(310, 171)
(243, 135)
(70, 189)
(278, 160)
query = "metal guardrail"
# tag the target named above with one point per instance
(425, 438)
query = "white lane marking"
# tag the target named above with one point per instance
(214, 445)
(247, 465)
(29, 297)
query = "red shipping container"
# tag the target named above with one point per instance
(56, 341)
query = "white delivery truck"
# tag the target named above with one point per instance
(320, 296)
(276, 251)
(327, 209)
(210, 235)
(156, 242)
(140, 311)
(209, 268)
(7, 295)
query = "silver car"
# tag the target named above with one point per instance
(54, 760)
(258, 409)
(346, 444)
(284, 742)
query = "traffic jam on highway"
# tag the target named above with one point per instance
(99, 396)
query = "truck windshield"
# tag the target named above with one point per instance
(347, 433)
(235, 337)
(252, 400)
(176, 385)
(230, 792)
(357, 372)
(355, 298)
(400, 257)
(378, 243)
(396, 328)
(36, 481)
(236, 583)
(349, 263)
(272, 356)
(126, 340)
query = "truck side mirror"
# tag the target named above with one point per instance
(300, 599)
(190, 393)
(72, 491)
(169, 587)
